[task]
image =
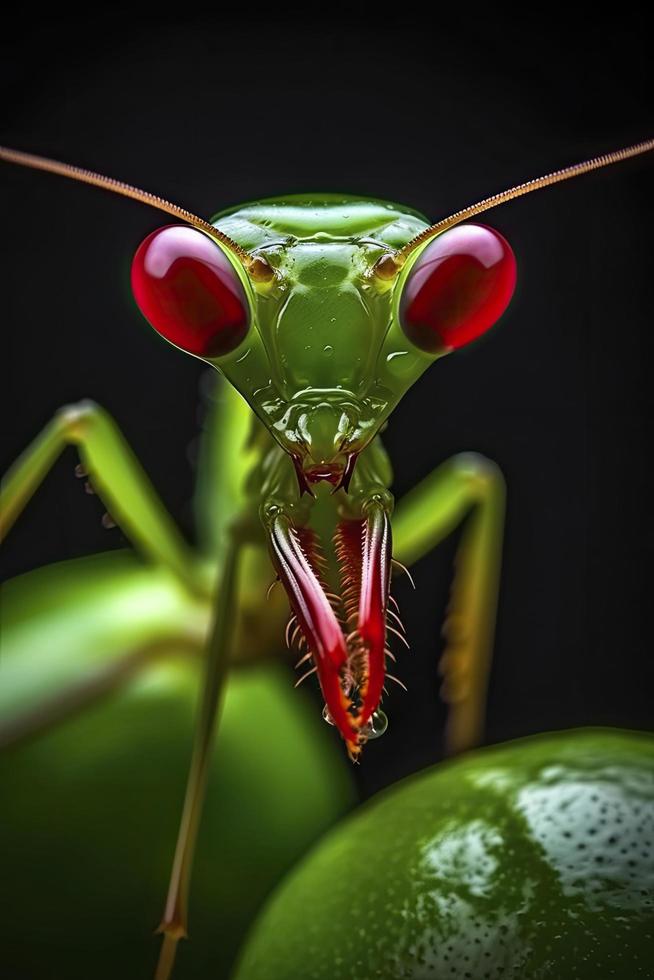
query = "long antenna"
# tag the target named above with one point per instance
(118, 187)
(389, 265)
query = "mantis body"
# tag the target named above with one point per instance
(321, 311)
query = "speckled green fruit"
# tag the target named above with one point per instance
(532, 860)
(90, 808)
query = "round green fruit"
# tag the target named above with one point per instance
(91, 804)
(533, 860)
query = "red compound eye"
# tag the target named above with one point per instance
(458, 288)
(187, 289)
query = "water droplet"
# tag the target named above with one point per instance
(328, 351)
(326, 715)
(377, 725)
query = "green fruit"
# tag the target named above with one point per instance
(533, 860)
(90, 807)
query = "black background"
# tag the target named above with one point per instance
(210, 111)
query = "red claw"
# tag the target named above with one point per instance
(315, 616)
(346, 636)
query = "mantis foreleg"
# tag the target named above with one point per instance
(116, 476)
(467, 487)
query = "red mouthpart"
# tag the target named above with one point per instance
(337, 474)
(331, 472)
(344, 636)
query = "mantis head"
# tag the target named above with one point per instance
(323, 329)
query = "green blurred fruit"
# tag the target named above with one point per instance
(90, 807)
(533, 860)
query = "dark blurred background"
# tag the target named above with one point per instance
(209, 111)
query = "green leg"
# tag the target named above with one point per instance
(173, 925)
(116, 476)
(471, 488)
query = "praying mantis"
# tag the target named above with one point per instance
(321, 312)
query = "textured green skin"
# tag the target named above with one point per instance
(531, 860)
(325, 359)
(90, 807)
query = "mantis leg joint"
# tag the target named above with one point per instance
(76, 418)
(480, 472)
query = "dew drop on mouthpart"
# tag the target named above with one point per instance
(377, 725)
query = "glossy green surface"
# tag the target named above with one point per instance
(531, 860)
(344, 216)
(90, 807)
(325, 361)
(65, 624)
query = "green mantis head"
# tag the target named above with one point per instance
(318, 342)
(321, 322)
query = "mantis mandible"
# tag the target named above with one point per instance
(321, 311)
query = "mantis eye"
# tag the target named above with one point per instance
(459, 287)
(188, 291)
